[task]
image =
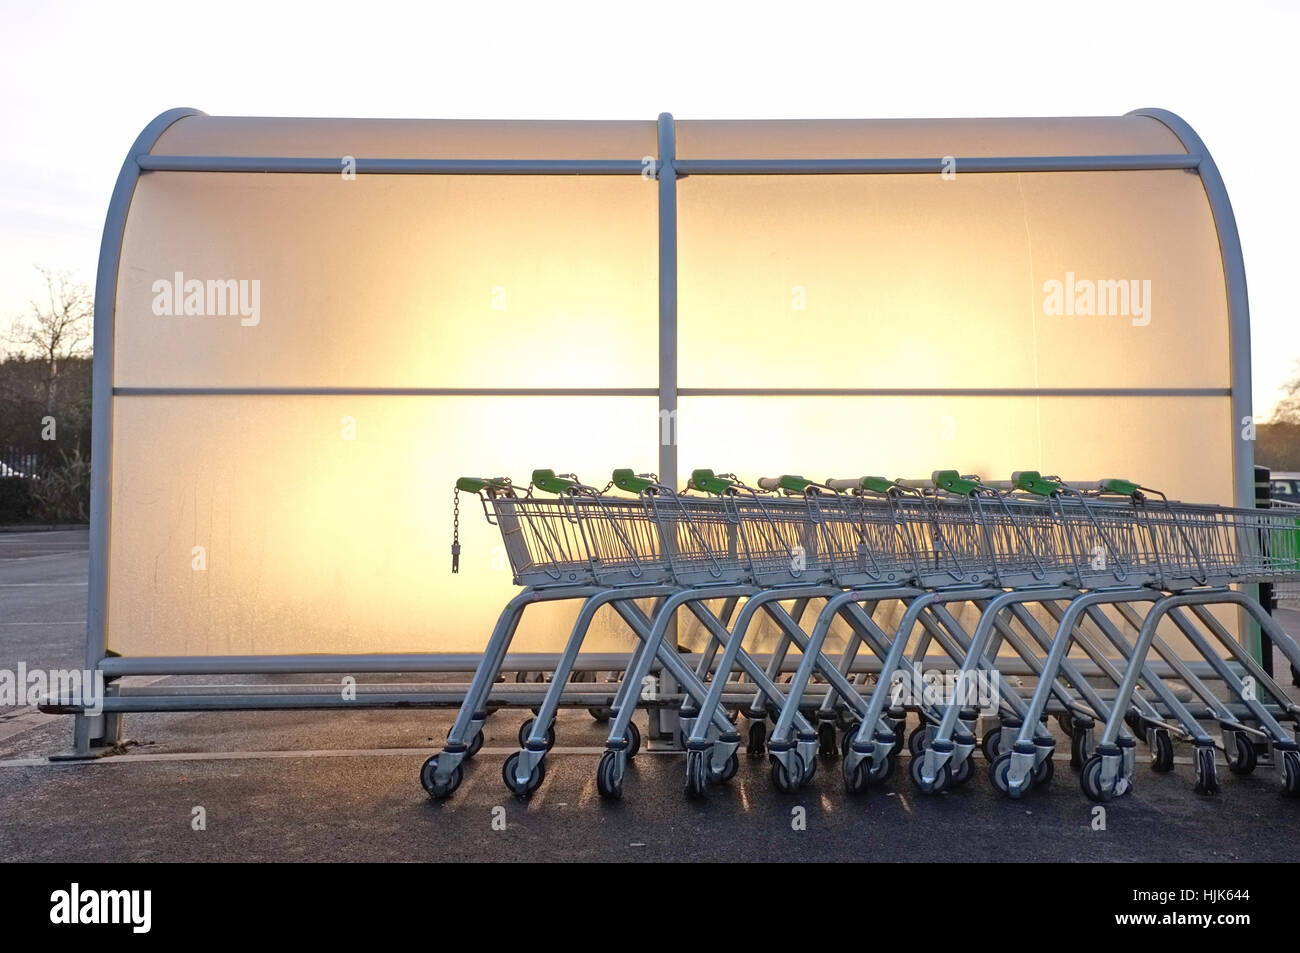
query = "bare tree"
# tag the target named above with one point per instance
(57, 329)
(1288, 408)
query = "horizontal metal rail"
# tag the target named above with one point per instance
(955, 164)
(116, 666)
(336, 164)
(649, 167)
(384, 392)
(201, 391)
(279, 698)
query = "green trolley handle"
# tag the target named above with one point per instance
(480, 486)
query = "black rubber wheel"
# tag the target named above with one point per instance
(528, 787)
(1243, 758)
(757, 746)
(608, 783)
(782, 779)
(1044, 771)
(828, 744)
(697, 770)
(885, 770)
(991, 744)
(438, 790)
(916, 740)
(846, 739)
(600, 715)
(998, 772)
(1090, 781)
(475, 746)
(729, 769)
(1291, 773)
(1162, 751)
(1207, 775)
(1079, 750)
(633, 740)
(526, 728)
(856, 778)
(962, 773)
(1065, 721)
(940, 782)
(809, 769)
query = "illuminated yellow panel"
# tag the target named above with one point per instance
(392, 281)
(1177, 445)
(317, 543)
(1173, 444)
(918, 281)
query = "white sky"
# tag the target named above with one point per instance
(79, 80)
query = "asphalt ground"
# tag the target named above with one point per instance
(316, 786)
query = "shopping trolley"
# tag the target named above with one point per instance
(1168, 555)
(577, 544)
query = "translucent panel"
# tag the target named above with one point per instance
(986, 280)
(407, 138)
(418, 281)
(922, 138)
(317, 543)
(1182, 446)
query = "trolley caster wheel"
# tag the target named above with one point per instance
(885, 771)
(696, 774)
(757, 746)
(508, 774)
(435, 788)
(1043, 772)
(998, 772)
(782, 779)
(809, 770)
(916, 740)
(856, 778)
(991, 744)
(609, 783)
(828, 743)
(1291, 773)
(728, 771)
(846, 739)
(474, 746)
(1162, 751)
(845, 719)
(600, 716)
(1079, 750)
(1065, 720)
(1207, 777)
(1242, 757)
(940, 781)
(1090, 781)
(527, 728)
(1135, 723)
(633, 740)
(961, 774)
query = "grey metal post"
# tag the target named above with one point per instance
(664, 723)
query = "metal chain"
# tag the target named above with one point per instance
(455, 529)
